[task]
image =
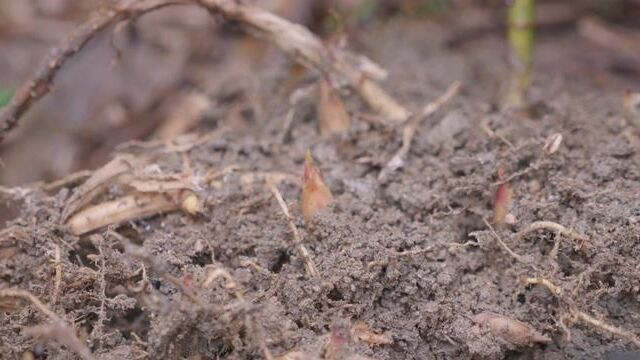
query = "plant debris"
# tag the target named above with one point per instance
(511, 330)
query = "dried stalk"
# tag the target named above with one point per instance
(126, 208)
(58, 276)
(98, 183)
(297, 41)
(41, 81)
(297, 238)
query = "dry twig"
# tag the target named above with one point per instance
(42, 78)
(296, 40)
(580, 315)
(297, 238)
(410, 128)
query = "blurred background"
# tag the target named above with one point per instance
(179, 69)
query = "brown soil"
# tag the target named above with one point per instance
(424, 298)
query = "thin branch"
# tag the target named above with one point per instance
(297, 238)
(412, 125)
(302, 45)
(42, 78)
(296, 40)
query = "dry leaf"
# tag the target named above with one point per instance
(315, 194)
(511, 330)
(332, 115)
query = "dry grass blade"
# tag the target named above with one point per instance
(409, 131)
(297, 238)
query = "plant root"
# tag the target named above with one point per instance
(577, 315)
(550, 225)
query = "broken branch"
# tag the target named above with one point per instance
(42, 78)
(296, 40)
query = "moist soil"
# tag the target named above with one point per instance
(410, 255)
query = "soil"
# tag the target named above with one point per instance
(410, 255)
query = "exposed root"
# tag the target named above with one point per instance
(578, 315)
(57, 331)
(550, 225)
(297, 238)
(520, 258)
(409, 131)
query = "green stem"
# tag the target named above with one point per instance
(521, 38)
